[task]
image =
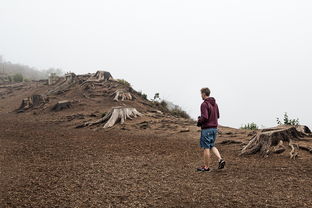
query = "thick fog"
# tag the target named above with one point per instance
(255, 56)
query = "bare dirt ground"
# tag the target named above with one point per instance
(45, 165)
(46, 162)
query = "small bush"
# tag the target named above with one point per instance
(250, 126)
(143, 95)
(177, 111)
(18, 77)
(164, 104)
(287, 121)
(124, 82)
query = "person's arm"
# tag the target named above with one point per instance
(204, 113)
(218, 113)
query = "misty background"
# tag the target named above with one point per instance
(255, 56)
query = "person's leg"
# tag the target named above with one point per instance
(216, 152)
(206, 157)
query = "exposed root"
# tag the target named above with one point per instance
(117, 114)
(227, 142)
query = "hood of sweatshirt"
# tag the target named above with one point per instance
(211, 100)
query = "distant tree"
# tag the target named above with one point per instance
(287, 121)
(18, 77)
(156, 96)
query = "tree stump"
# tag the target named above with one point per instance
(272, 140)
(33, 101)
(122, 95)
(61, 105)
(99, 76)
(117, 114)
(65, 85)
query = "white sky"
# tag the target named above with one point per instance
(256, 56)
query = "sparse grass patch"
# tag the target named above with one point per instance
(124, 82)
(250, 126)
(177, 111)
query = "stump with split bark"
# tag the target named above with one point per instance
(65, 85)
(272, 140)
(117, 114)
(61, 105)
(99, 76)
(33, 101)
(122, 95)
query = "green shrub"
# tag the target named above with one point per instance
(164, 104)
(18, 77)
(250, 126)
(124, 82)
(287, 121)
(143, 95)
(177, 111)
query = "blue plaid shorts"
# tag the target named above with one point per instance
(208, 138)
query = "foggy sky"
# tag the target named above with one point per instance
(255, 56)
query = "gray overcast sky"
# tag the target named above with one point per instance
(256, 56)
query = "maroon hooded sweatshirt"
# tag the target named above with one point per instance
(209, 114)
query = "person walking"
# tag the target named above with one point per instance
(208, 121)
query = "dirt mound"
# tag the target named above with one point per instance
(85, 94)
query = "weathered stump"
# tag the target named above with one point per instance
(99, 76)
(117, 114)
(272, 140)
(61, 105)
(122, 95)
(33, 101)
(65, 85)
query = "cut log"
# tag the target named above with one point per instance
(272, 140)
(61, 105)
(122, 95)
(33, 101)
(117, 114)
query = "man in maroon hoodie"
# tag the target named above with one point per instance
(208, 121)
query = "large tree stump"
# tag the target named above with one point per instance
(122, 95)
(272, 140)
(99, 76)
(117, 114)
(65, 85)
(61, 105)
(33, 101)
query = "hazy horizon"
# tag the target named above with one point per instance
(254, 56)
